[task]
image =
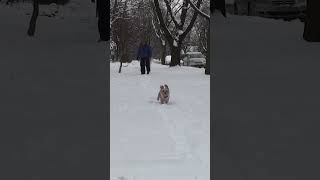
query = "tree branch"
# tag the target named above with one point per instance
(171, 13)
(184, 13)
(167, 33)
(198, 10)
(194, 18)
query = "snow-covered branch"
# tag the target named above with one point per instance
(171, 13)
(120, 7)
(198, 10)
(194, 18)
(155, 29)
(167, 33)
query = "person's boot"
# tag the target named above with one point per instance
(142, 70)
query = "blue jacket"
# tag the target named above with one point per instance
(144, 52)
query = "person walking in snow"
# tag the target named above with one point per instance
(144, 55)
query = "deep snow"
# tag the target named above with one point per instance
(153, 141)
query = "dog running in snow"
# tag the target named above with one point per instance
(164, 94)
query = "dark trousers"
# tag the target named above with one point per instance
(145, 63)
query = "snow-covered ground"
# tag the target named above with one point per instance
(266, 100)
(153, 141)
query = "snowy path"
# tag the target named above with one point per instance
(159, 140)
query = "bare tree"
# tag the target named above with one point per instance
(312, 22)
(34, 17)
(117, 9)
(116, 14)
(159, 33)
(123, 35)
(35, 13)
(210, 46)
(161, 38)
(176, 34)
(220, 6)
(207, 17)
(131, 22)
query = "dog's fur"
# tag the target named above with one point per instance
(164, 94)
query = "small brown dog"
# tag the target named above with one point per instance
(164, 94)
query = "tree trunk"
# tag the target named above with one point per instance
(34, 17)
(163, 55)
(312, 22)
(219, 5)
(176, 50)
(113, 59)
(175, 55)
(120, 67)
(210, 46)
(236, 10)
(103, 11)
(207, 71)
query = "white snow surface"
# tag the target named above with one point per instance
(154, 141)
(168, 59)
